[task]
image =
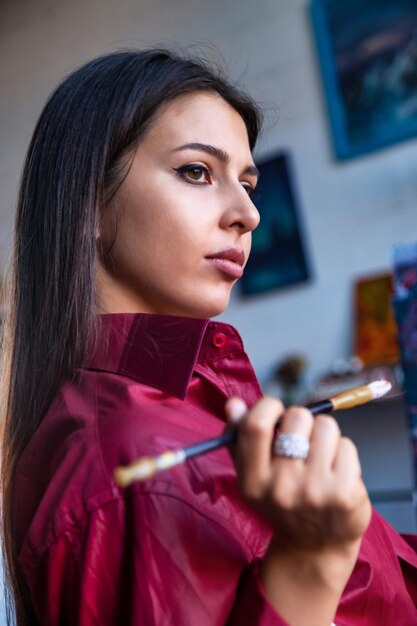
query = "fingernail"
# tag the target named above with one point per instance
(236, 409)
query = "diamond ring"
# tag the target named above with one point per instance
(291, 445)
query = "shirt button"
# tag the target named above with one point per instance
(219, 340)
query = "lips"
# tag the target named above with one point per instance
(229, 261)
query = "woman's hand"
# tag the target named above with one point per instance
(318, 507)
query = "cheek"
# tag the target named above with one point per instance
(137, 225)
(163, 223)
(148, 241)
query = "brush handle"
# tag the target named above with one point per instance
(146, 467)
(323, 406)
(226, 439)
(230, 437)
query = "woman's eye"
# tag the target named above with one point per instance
(249, 189)
(195, 173)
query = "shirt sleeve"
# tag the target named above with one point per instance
(149, 560)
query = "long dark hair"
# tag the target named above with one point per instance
(75, 163)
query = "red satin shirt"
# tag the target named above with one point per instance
(182, 548)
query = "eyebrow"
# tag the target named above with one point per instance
(218, 153)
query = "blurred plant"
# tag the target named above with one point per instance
(290, 374)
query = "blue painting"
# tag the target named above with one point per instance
(368, 56)
(278, 257)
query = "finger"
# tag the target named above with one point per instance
(324, 443)
(346, 463)
(235, 409)
(297, 419)
(253, 454)
(352, 493)
(288, 472)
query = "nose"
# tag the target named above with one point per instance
(240, 212)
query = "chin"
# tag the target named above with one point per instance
(200, 304)
(218, 303)
(206, 310)
(215, 308)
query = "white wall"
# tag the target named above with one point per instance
(353, 212)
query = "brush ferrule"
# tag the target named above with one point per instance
(169, 459)
(353, 397)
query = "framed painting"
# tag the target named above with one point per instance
(375, 336)
(368, 55)
(278, 257)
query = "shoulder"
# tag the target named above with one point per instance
(96, 422)
(101, 421)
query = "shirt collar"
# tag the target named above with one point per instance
(160, 350)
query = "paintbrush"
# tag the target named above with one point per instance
(146, 467)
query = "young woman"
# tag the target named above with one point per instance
(134, 222)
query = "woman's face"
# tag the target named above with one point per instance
(180, 228)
